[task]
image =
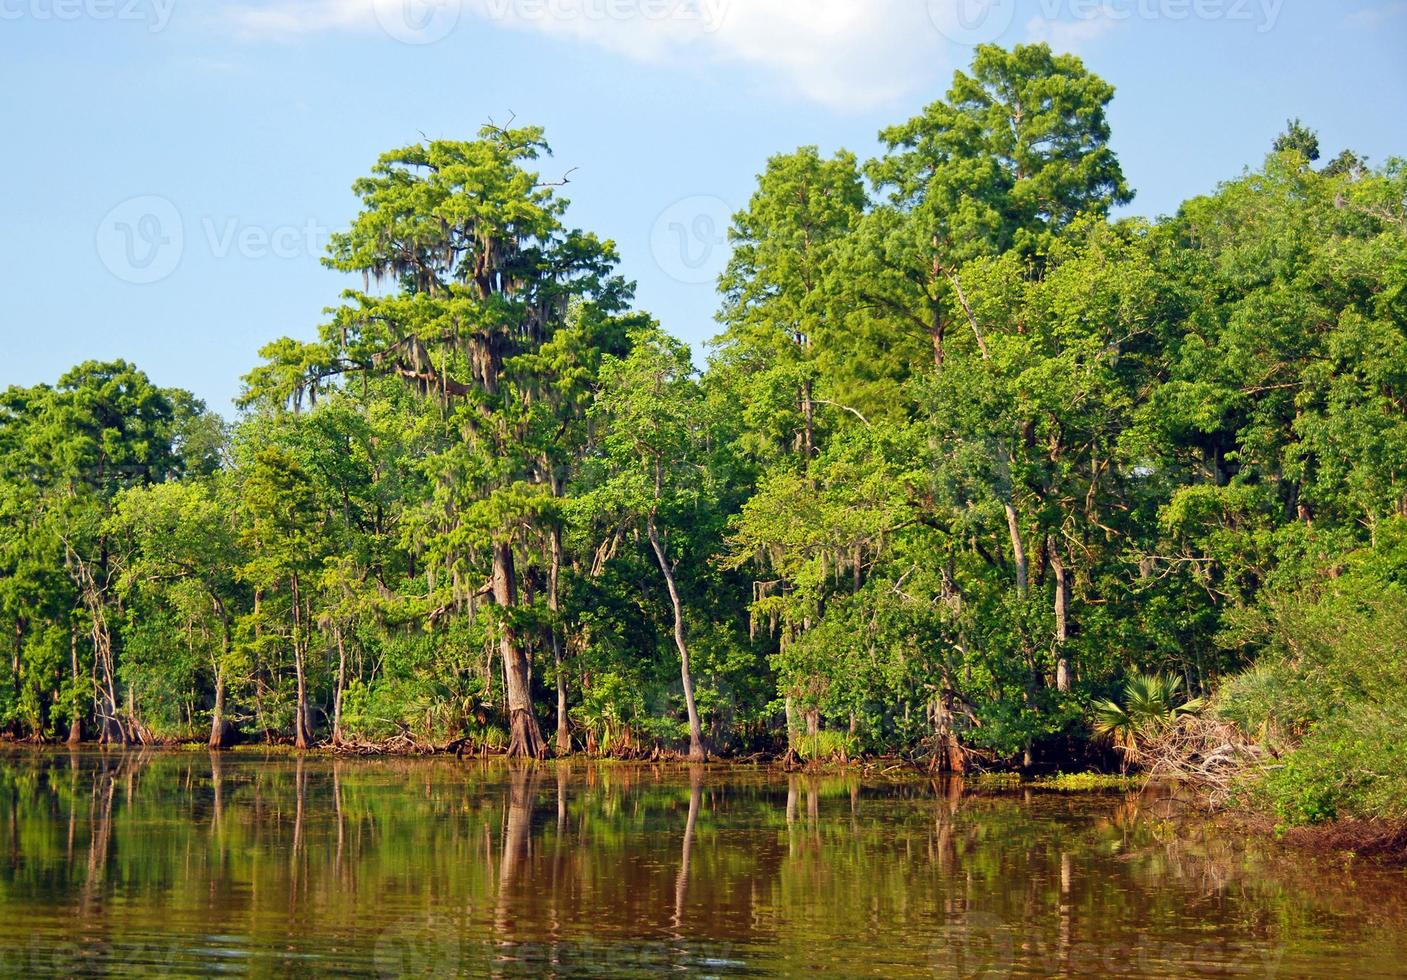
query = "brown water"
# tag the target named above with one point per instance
(184, 863)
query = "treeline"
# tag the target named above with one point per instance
(968, 455)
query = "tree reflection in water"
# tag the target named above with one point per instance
(125, 863)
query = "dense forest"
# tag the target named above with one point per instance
(976, 473)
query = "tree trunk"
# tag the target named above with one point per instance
(950, 756)
(220, 734)
(554, 574)
(15, 680)
(301, 736)
(75, 725)
(105, 689)
(525, 738)
(1018, 550)
(790, 705)
(696, 748)
(1062, 616)
(341, 686)
(808, 414)
(113, 732)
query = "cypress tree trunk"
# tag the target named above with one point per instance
(341, 686)
(75, 727)
(808, 414)
(524, 736)
(1062, 617)
(220, 735)
(564, 734)
(1018, 550)
(302, 737)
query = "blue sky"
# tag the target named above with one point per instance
(172, 167)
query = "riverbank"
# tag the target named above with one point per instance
(1177, 800)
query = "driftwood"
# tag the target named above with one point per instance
(1213, 755)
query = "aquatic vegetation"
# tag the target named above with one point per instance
(1087, 781)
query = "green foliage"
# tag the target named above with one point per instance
(1151, 703)
(1084, 782)
(1328, 693)
(1298, 138)
(827, 746)
(968, 458)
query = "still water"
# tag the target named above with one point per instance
(184, 863)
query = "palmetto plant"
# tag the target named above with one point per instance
(1152, 702)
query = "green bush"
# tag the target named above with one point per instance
(825, 746)
(1353, 766)
(430, 711)
(1329, 697)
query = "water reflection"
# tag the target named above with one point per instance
(133, 864)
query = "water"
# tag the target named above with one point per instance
(183, 863)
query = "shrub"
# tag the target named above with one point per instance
(1152, 702)
(825, 746)
(1329, 697)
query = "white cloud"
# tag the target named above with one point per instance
(296, 18)
(1376, 16)
(1077, 34)
(844, 53)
